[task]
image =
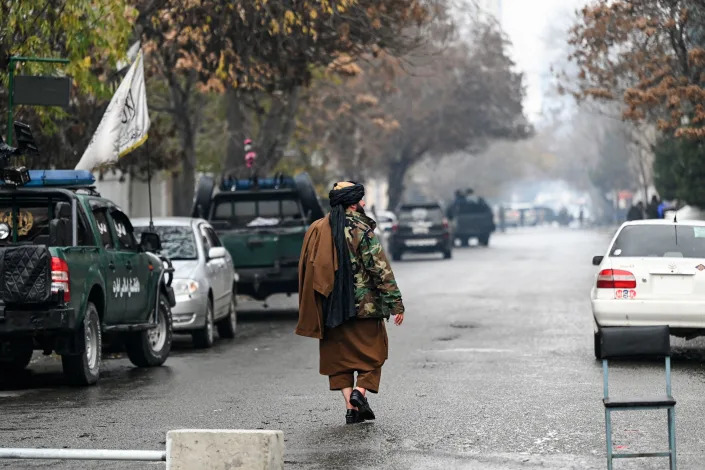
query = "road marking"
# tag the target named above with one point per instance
(474, 350)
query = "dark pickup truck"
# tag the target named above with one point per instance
(262, 223)
(72, 275)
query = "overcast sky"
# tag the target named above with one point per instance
(529, 24)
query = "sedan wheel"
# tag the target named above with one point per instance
(228, 325)
(205, 337)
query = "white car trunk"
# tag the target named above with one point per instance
(663, 278)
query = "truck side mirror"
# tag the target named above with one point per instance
(150, 242)
(597, 260)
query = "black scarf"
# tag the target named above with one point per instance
(340, 305)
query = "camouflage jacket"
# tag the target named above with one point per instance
(376, 292)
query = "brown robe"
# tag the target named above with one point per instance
(356, 345)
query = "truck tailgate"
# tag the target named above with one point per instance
(265, 247)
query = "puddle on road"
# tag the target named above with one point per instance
(12, 394)
(447, 338)
(464, 325)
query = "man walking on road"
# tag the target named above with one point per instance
(346, 290)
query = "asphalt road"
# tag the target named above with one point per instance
(492, 369)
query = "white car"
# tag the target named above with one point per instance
(653, 274)
(204, 278)
(386, 220)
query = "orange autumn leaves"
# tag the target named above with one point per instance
(650, 54)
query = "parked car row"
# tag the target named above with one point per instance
(77, 277)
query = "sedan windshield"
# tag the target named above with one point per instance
(670, 241)
(178, 242)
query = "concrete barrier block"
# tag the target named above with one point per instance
(224, 449)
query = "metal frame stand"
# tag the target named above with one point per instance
(671, 409)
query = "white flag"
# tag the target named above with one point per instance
(125, 123)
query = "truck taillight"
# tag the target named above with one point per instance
(60, 279)
(395, 228)
(615, 279)
(446, 225)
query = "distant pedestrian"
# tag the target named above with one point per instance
(346, 290)
(662, 209)
(636, 212)
(581, 216)
(652, 208)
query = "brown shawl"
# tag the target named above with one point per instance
(317, 266)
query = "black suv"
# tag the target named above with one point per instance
(421, 228)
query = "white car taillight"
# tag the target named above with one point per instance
(615, 279)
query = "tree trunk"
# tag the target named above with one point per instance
(395, 180)
(186, 118)
(236, 119)
(185, 179)
(276, 129)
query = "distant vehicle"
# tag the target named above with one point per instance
(520, 215)
(471, 217)
(544, 215)
(385, 220)
(262, 223)
(74, 274)
(385, 223)
(652, 274)
(421, 228)
(204, 278)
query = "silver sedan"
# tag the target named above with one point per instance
(204, 277)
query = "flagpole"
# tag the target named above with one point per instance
(149, 186)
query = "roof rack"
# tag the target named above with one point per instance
(278, 181)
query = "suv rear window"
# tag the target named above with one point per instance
(263, 212)
(421, 213)
(673, 241)
(33, 220)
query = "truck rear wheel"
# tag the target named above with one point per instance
(228, 325)
(84, 368)
(151, 348)
(484, 240)
(15, 354)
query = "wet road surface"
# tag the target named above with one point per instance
(492, 369)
